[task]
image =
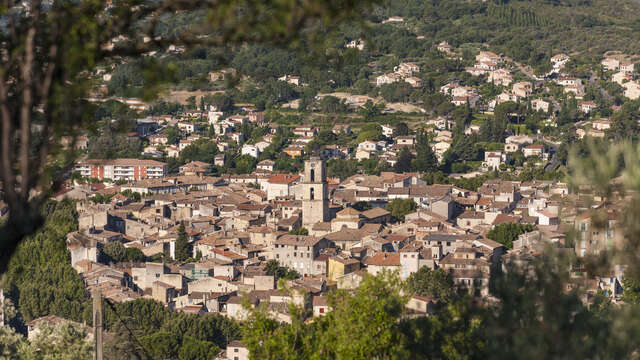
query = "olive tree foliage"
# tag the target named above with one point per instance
(538, 309)
(65, 341)
(49, 51)
(613, 174)
(432, 283)
(362, 324)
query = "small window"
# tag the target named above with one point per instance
(235, 350)
(321, 310)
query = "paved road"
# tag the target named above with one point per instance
(525, 69)
(553, 162)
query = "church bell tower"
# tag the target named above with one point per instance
(315, 198)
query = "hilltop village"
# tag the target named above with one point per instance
(258, 179)
(214, 241)
(207, 217)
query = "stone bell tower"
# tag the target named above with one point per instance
(315, 197)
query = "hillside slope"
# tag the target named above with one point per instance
(527, 30)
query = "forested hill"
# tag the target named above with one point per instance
(527, 30)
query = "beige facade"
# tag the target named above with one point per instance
(315, 203)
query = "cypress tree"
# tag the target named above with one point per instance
(183, 251)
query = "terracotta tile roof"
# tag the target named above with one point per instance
(450, 259)
(298, 240)
(465, 201)
(229, 254)
(375, 212)
(342, 260)
(471, 215)
(322, 226)
(489, 243)
(320, 301)
(163, 284)
(284, 178)
(346, 234)
(535, 146)
(349, 212)
(371, 228)
(504, 218)
(384, 259)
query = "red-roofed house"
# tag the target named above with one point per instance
(587, 106)
(533, 150)
(504, 219)
(280, 185)
(383, 261)
(546, 217)
(422, 305)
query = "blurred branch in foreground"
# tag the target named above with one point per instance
(49, 49)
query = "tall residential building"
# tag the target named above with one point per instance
(126, 169)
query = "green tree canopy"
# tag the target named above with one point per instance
(507, 233)
(370, 131)
(51, 53)
(200, 150)
(404, 161)
(361, 325)
(40, 278)
(402, 129)
(183, 247)
(401, 207)
(221, 101)
(432, 283)
(332, 105)
(426, 160)
(273, 268)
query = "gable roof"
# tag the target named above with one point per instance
(375, 212)
(349, 212)
(299, 240)
(345, 234)
(320, 301)
(504, 218)
(284, 179)
(384, 259)
(471, 215)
